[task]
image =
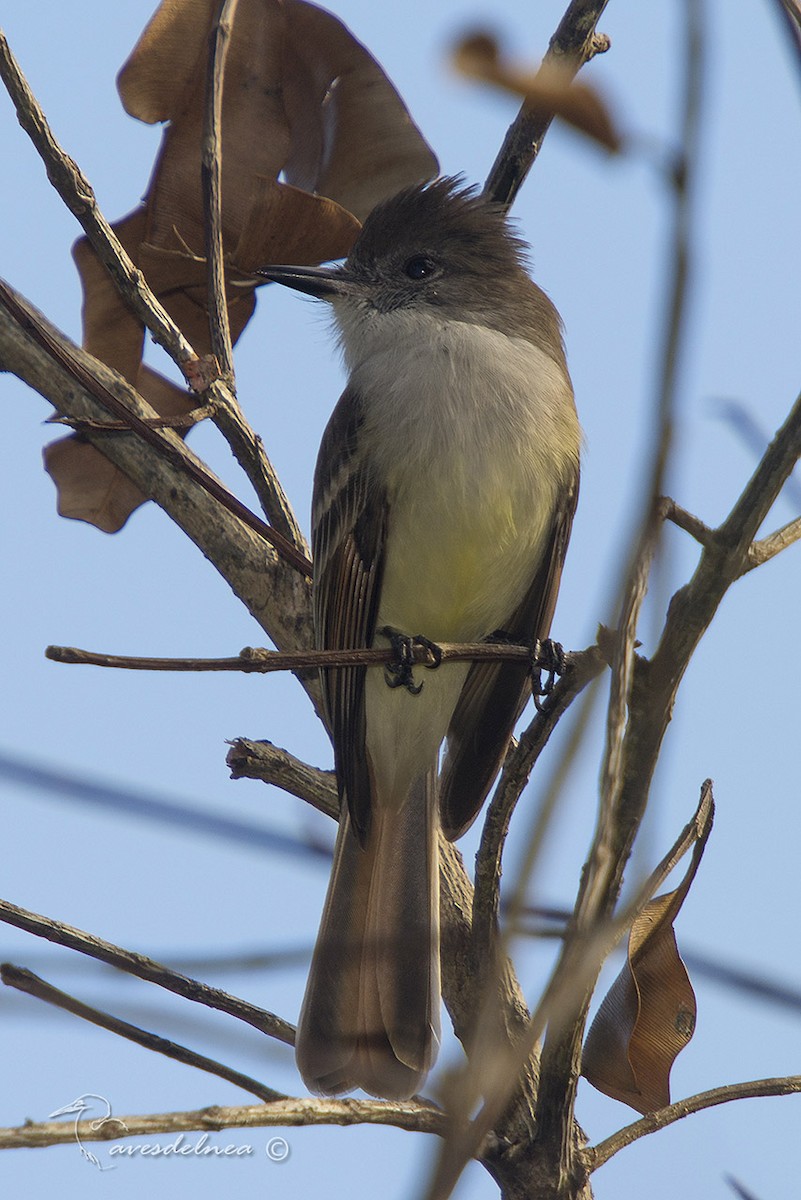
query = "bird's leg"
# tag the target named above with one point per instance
(548, 656)
(400, 671)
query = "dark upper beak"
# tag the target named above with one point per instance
(322, 282)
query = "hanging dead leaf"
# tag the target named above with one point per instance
(301, 97)
(648, 1015)
(551, 89)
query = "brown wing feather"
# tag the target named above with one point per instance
(494, 696)
(348, 533)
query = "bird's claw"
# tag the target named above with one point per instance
(548, 656)
(400, 671)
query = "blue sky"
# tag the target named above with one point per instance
(597, 229)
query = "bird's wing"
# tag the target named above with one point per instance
(494, 696)
(349, 517)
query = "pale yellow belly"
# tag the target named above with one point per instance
(457, 566)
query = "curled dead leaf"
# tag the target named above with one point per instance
(551, 89)
(648, 1015)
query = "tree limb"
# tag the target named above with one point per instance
(596, 1156)
(25, 981)
(276, 595)
(411, 1114)
(257, 660)
(573, 44)
(147, 968)
(211, 180)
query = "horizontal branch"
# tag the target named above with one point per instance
(786, 1085)
(260, 661)
(25, 981)
(147, 968)
(411, 1115)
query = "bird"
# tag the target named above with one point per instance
(443, 500)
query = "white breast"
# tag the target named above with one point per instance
(475, 434)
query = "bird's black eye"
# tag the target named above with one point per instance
(419, 267)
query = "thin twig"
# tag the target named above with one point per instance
(669, 510)
(147, 968)
(584, 667)
(77, 193)
(25, 981)
(783, 1086)
(762, 551)
(410, 1114)
(269, 763)
(260, 661)
(182, 422)
(574, 43)
(211, 179)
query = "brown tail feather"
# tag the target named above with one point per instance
(370, 1017)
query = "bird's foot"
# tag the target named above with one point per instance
(547, 656)
(400, 671)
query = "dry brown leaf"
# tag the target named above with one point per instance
(339, 99)
(301, 96)
(551, 89)
(648, 1015)
(90, 488)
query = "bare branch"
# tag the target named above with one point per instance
(147, 968)
(784, 1086)
(211, 177)
(584, 667)
(271, 764)
(32, 985)
(669, 510)
(256, 660)
(147, 428)
(767, 548)
(75, 190)
(183, 422)
(411, 1115)
(574, 43)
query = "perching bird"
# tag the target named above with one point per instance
(444, 495)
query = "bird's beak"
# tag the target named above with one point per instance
(322, 282)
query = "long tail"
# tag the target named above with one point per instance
(370, 1017)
